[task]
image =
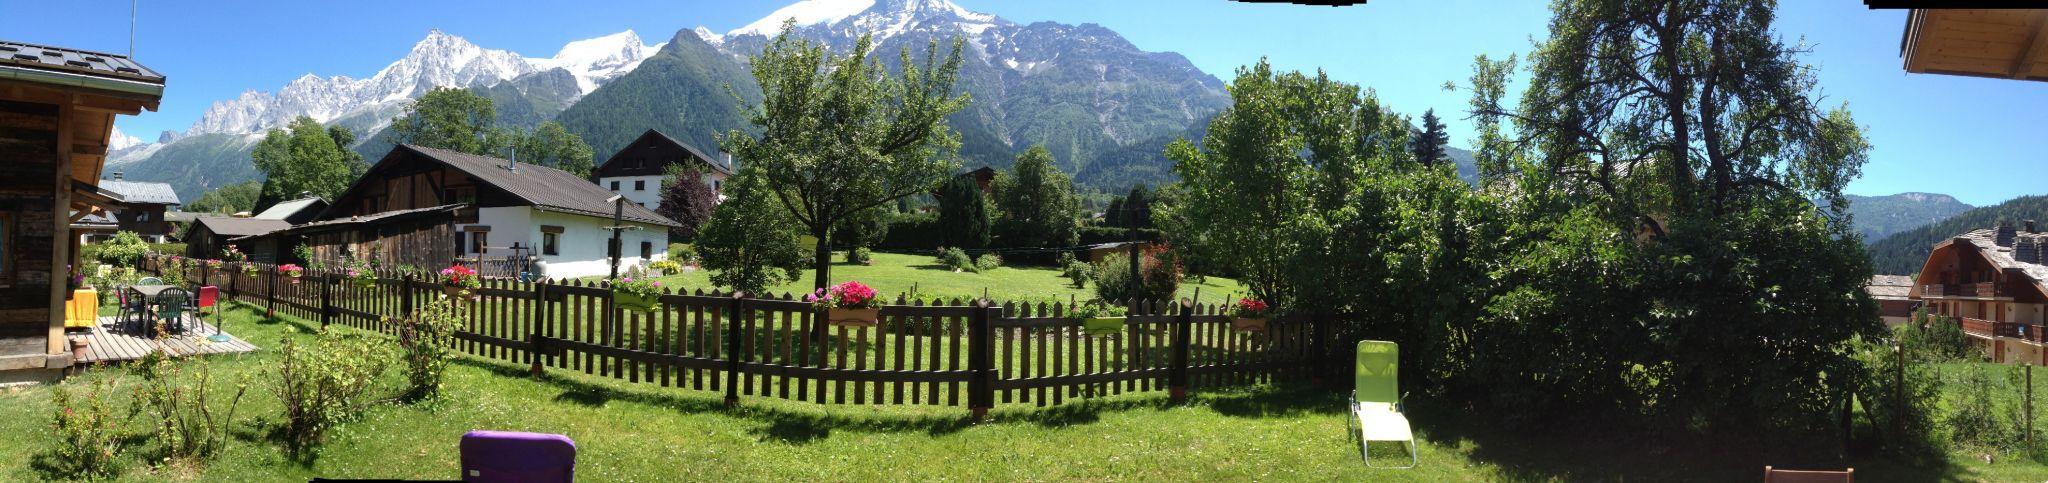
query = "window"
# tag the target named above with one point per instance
(461, 242)
(615, 185)
(459, 194)
(142, 216)
(639, 185)
(478, 241)
(550, 243)
(646, 250)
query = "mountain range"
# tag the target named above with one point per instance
(1102, 106)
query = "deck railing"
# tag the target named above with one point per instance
(934, 352)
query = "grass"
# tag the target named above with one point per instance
(645, 432)
(895, 274)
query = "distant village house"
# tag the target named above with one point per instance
(637, 170)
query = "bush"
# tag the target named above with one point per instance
(1914, 414)
(188, 423)
(1935, 338)
(124, 250)
(1159, 277)
(987, 261)
(682, 253)
(323, 384)
(87, 445)
(1978, 418)
(956, 259)
(426, 336)
(860, 255)
(1079, 272)
(914, 231)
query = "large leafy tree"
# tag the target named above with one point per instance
(1667, 155)
(234, 198)
(550, 145)
(453, 119)
(750, 244)
(840, 133)
(304, 157)
(686, 199)
(963, 213)
(1037, 203)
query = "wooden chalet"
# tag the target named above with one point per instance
(57, 109)
(1996, 43)
(1994, 282)
(637, 170)
(208, 235)
(142, 207)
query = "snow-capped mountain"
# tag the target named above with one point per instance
(121, 140)
(439, 60)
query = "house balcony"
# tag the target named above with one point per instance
(2010, 330)
(1976, 290)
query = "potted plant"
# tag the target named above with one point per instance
(359, 273)
(1098, 318)
(641, 295)
(78, 349)
(291, 272)
(850, 304)
(1249, 315)
(459, 282)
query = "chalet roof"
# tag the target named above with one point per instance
(547, 189)
(141, 191)
(287, 209)
(77, 67)
(657, 136)
(1885, 287)
(1997, 43)
(324, 225)
(180, 216)
(95, 220)
(1986, 241)
(238, 227)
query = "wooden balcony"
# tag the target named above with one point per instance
(1981, 327)
(1980, 289)
(2011, 330)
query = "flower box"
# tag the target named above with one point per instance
(365, 282)
(853, 317)
(1248, 324)
(456, 293)
(1102, 325)
(636, 302)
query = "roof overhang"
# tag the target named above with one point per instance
(1996, 43)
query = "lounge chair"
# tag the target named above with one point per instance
(1376, 400)
(1773, 475)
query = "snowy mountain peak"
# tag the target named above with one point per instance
(120, 140)
(806, 13)
(882, 18)
(595, 60)
(708, 36)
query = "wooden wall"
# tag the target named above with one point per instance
(426, 242)
(28, 163)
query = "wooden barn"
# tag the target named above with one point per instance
(57, 109)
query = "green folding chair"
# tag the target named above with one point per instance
(150, 281)
(1376, 400)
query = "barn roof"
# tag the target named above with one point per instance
(141, 191)
(238, 227)
(547, 189)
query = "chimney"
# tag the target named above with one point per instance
(2027, 250)
(2005, 234)
(305, 194)
(117, 176)
(2030, 227)
(727, 158)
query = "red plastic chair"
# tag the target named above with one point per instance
(209, 296)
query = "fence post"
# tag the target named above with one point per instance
(405, 294)
(1898, 386)
(537, 337)
(1177, 377)
(2030, 406)
(732, 348)
(326, 298)
(981, 393)
(270, 292)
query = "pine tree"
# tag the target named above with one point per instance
(1429, 146)
(963, 213)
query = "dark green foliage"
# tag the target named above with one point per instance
(324, 383)
(227, 200)
(1428, 145)
(987, 261)
(1980, 417)
(1036, 203)
(1075, 270)
(681, 90)
(124, 250)
(1158, 278)
(1904, 252)
(455, 120)
(1935, 338)
(749, 244)
(860, 255)
(1133, 210)
(956, 259)
(1912, 409)
(550, 145)
(305, 158)
(863, 229)
(963, 213)
(196, 164)
(686, 199)
(912, 231)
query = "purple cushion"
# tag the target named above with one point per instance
(517, 457)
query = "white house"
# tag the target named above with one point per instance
(637, 170)
(428, 207)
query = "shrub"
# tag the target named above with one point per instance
(860, 255)
(87, 445)
(915, 231)
(189, 424)
(1159, 277)
(323, 384)
(426, 337)
(1911, 408)
(683, 253)
(1079, 272)
(956, 259)
(124, 250)
(987, 261)
(666, 266)
(1978, 418)
(1934, 337)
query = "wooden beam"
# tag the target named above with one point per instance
(88, 149)
(60, 242)
(2037, 43)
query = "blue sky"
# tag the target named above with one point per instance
(1976, 139)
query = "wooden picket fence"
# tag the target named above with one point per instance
(922, 352)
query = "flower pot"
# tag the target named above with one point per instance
(78, 351)
(366, 282)
(455, 293)
(1248, 324)
(636, 302)
(853, 317)
(1102, 325)
(291, 279)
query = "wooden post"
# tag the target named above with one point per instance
(326, 300)
(2030, 406)
(1177, 376)
(981, 361)
(405, 294)
(270, 294)
(732, 348)
(537, 339)
(1898, 387)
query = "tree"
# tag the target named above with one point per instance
(552, 146)
(1037, 203)
(230, 199)
(1429, 145)
(1113, 214)
(686, 199)
(963, 213)
(840, 133)
(1668, 156)
(452, 119)
(1136, 209)
(750, 244)
(304, 157)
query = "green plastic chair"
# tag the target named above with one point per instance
(150, 281)
(1376, 400)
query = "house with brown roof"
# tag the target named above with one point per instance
(1993, 282)
(1892, 293)
(429, 207)
(209, 235)
(638, 169)
(57, 110)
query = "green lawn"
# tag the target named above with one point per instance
(897, 274)
(650, 433)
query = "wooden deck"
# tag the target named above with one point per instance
(107, 343)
